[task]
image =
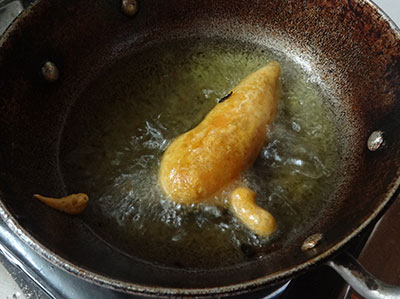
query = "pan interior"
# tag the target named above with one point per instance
(120, 125)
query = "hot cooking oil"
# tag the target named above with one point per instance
(134, 110)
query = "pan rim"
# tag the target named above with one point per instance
(133, 288)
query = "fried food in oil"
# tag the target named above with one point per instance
(243, 203)
(72, 204)
(202, 162)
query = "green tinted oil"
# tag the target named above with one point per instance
(119, 128)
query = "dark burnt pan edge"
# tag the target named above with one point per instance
(100, 280)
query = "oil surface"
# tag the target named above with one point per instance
(119, 128)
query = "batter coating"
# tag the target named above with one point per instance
(209, 158)
(72, 204)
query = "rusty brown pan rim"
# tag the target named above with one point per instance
(133, 288)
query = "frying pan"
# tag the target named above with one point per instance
(351, 47)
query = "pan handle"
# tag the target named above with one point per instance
(361, 280)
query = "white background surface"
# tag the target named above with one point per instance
(9, 289)
(391, 8)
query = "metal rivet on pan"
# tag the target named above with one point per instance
(375, 140)
(50, 71)
(129, 7)
(311, 242)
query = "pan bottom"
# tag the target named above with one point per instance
(119, 127)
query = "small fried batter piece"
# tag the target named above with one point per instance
(243, 203)
(72, 204)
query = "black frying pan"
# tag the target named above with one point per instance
(348, 44)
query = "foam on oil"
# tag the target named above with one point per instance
(123, 123)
